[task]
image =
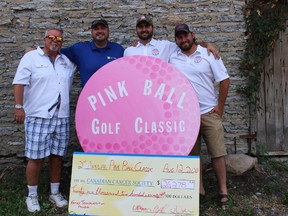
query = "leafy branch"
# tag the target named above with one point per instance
(264, 21)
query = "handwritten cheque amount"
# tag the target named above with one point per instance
(177, 184)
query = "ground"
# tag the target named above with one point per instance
(261, 191)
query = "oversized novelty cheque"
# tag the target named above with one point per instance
(134, 185)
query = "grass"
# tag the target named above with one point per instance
(13, 190)
(261, 191)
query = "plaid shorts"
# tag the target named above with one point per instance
(46, 136)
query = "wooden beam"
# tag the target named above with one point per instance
(277, 153)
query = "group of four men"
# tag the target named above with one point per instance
(44, 78)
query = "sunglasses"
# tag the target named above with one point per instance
(55, 38)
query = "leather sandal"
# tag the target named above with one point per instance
(223, 201)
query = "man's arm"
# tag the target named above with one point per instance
(223, 92)
(211, 49)
(19, 114)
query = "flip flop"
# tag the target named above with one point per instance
(223, 201)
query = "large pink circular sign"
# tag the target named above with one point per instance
(138, 105)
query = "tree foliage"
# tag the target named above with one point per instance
(264, 21)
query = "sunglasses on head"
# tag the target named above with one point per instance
(53, 38)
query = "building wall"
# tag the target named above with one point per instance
(23, 23)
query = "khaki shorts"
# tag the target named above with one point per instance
(212, 131)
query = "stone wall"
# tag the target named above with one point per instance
(23, 23)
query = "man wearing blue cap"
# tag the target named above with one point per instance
(90, 56)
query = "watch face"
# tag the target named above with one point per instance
(18, 106)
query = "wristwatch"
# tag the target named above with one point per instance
(18, 106)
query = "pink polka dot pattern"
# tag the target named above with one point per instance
(138, 105)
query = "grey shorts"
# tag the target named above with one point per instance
(46, 136)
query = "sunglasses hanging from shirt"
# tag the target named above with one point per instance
(57, 104)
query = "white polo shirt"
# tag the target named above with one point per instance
(156, 48)
(44, 82)
(202, 71)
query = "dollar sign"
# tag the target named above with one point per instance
(158, 182)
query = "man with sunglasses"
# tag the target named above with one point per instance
(90, 56)
(41, 92)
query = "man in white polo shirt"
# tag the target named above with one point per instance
(148, 46)
(203, 71)
(41, 92)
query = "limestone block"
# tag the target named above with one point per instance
(238, 164)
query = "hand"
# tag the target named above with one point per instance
(19, 115)
(214, 50)
(134, 43)
(217, 110)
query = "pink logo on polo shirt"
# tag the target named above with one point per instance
(62, 61)
(198, 59)
(155, 52)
